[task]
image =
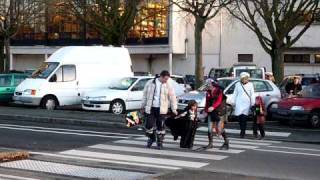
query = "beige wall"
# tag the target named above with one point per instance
(27, 62)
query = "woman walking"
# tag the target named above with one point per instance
(244, 99)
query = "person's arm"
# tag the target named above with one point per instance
(173, 100)
(144, 97)
(252, 95)
(235, 94)
(217, 103)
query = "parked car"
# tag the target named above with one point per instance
(125, 94)
(8, 84)
(181, 81)
(305, 107)
(191, 80)
(264, 88)
(70, 72)
(305, 80)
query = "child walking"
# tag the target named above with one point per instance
(260, 118)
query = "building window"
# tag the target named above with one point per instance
(245, 57)
(297, 58)
(317, 58)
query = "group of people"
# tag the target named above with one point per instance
(159, 96)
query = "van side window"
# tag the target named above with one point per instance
(59, 75)
(69, 73)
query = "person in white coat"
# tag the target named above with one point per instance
(244, 99)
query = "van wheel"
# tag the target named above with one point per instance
(315, 120)
(49, 103)
(117, 107)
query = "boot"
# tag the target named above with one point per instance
(151, 139)
(210, 138)
(160, 138)
(225, 145)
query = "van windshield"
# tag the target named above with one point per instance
(45, 70)
(123, 84)
(254, 73)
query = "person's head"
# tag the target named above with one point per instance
(244, 77)
(211, 84)
(192, 105)
(296, 80)
(164, 76)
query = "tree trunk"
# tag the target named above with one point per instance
(277, 64)
(2, 56)
(199, 71)
(7, 55)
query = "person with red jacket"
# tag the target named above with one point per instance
(214, 103)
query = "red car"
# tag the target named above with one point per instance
(305, 107)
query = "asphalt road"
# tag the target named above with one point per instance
(78, 152)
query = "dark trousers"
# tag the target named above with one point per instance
(243, 124)
(187, 137)
(257, 126)
(155, 122)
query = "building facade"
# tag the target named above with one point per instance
(163, 39)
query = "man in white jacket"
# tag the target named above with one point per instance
(158, 97)
(244, 99)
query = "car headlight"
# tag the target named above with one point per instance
(100, 98)
(274, 106)
(29, 92)
(297, 108)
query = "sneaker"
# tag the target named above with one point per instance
(149, 143)
(210, 146)
(261, 138)
(225, 146)
(159, 146)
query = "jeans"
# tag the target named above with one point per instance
(155, 122)
(243, 124)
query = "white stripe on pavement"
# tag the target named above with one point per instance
(140, 159)
(68, 133)
(236, 131)
(205, 142)
(157, 152)
(105, 161)
(70, 130)
(234, 141)
(292, 148)
(16, 177)
(287, 152)
(244, 140)
(176, 146)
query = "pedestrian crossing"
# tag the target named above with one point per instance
(132, 154)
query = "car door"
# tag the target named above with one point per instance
(6, 85)
(63, 84)
(135, 95)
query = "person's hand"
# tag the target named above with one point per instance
(210, 109)
(142, 110)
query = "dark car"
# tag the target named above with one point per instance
(304, 107)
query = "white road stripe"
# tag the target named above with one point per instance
(140, 159)
(234, 142)
(157, 152)
(105, 161)
(236, 131)
(16, 177)
(292, 148)
(176, 146)
(243, 140)
(68, 133)
(288, 152)
(202, 141)
(70, 130)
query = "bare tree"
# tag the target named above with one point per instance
(278, 24)
(111, 19)
(202, 11)
(14, 14)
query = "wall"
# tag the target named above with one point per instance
(27, 62)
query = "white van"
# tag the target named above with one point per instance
(70, 72)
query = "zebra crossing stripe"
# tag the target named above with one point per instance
(236, 131)
(234, 141)
(3, 176)
(157, 152)
(243, 140)
(139, 159)
(202, 143)
(176, 146)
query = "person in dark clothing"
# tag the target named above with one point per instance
(294, 87)
(214, 108)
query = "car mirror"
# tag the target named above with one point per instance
(53, 78)
(135, 89)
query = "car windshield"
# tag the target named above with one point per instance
(312, 91)
(5, 80)
(45, 70)
(123, 84)
(254, 73)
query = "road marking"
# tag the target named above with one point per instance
(59, 132)
(105, 161)
(70, 130)
(140, 159)
(157, 152)
(287, 152)
(236, 131)
(240, 146)
(234, 141)
(243, 140)
(176, 146)
(16, 177)
(73, 170)
(292, 148)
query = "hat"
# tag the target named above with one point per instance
(211, 81)
(244, 75)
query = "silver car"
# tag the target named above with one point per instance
(264, 88)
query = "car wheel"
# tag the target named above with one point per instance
(315, 120)
(49, 103)
(117, 107)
